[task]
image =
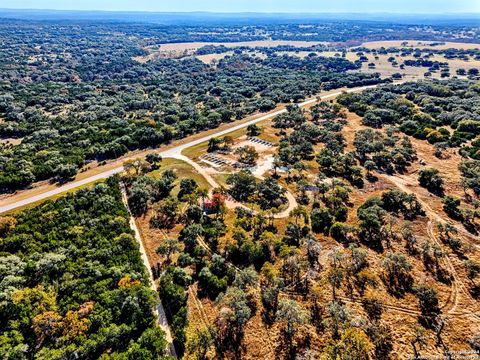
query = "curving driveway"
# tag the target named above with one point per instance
(292, 202)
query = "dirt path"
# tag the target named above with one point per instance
(458, 286)
(400, 309)
(159, 311)
(198, 305)
(44, 191)
(404, 184)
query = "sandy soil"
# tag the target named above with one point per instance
(266, 165)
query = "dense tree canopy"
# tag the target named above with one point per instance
(73, 283)
(73, 99)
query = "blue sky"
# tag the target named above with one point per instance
(362, 6)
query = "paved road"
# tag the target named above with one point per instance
(174, 152)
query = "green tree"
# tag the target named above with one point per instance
(428, 301)
(336, 273)
(189, 235)
(65, 172)
(354, 344)
(321, 220)
(245, 278)
(236, 314)
(154, 159)
(166, 213)
(201, 343)
(187, 186)
(373, 307)
(473, 269)
(397, 272)
(253, 130)
(138, 200)
(430, 179)
(451, 207)
(270, 194)
(292, 314)
(168, 247)
(247, 155)
(242, 185)
(214, 144)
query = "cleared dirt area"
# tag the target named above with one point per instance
(146, 58)
(387, 69)
(11, 141)
(189, 46)
(302, 54)
(263, 165)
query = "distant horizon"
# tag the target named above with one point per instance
(240, 17)
(413, 7)
(251, 12)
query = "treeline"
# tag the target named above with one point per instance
(73, 284)
(70, 106)
(267, 50)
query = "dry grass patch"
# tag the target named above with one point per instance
(207, 59)
(182, 170)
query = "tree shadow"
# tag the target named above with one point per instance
(371, 178)
(475, 291)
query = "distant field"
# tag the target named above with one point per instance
(385, 68)
(193, 46)
(260, 43)
(207, 59)
(172, 50)
(419, 44)
(302, 54)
